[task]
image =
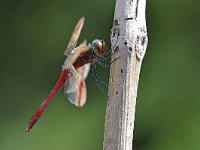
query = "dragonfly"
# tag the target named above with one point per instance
(74, 71)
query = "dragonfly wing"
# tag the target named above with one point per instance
(72, 81)
(75, 88)
(74, 37)
(84, 70)
(78, 97)
(75, 53)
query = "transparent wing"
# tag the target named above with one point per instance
(75, 87)
(78, 97)
(84, 70)
(72, 81)
(72, 97)
(74, 37)
(76, 52)
(81, 92)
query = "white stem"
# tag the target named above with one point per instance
(128, 42)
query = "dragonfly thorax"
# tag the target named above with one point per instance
(99, 47)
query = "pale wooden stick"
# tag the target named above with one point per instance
(129, 42)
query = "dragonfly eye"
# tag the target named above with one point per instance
(99, 47)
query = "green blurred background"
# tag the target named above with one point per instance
(33, 36)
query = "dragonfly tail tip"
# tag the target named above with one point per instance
(28, 128)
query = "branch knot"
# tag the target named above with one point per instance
(141, 44)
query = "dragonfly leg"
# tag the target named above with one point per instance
(102, 63)
(96, 79)
(107, 54)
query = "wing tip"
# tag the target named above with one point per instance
(82, 18)
(81, 22)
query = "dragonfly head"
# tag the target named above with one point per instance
(99, 47)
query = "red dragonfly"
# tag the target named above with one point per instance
(74, 71)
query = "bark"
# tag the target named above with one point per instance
(128, 43)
